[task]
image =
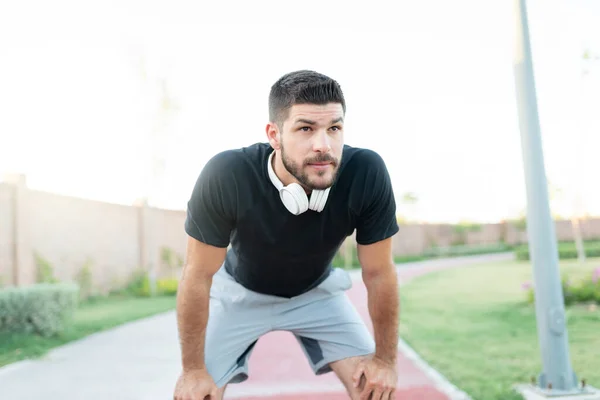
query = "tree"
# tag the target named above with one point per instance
(164, 107)
(411, 200)
(556, 193)
(588, 57)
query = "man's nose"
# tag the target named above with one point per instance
(321, 142)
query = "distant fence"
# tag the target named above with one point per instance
(66, 234)
(62, 235)
(417, 239)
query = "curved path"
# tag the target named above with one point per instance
(140, 361)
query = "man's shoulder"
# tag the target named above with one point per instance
(238, 160)
(361, 159)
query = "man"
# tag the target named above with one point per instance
(286, 207)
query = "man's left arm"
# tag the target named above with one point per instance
(381, 281)
(375, 228)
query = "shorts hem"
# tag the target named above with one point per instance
(238, 375)
(323, 367)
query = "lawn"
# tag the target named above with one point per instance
(475, 327)
(91, 317)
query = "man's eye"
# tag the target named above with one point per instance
(336, 128)
(305, 128)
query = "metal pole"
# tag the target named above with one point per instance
(557, 372)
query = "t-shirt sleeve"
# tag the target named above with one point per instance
(377, 218)
(211, 209)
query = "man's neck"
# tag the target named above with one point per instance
(283, 174)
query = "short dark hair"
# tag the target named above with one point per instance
(302, 87)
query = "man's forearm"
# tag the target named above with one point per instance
(384, 304)
(192, 316)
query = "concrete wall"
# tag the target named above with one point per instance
(6, 233)
(415, 239)
(113, 241)
(69, 234)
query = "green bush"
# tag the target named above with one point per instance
(139, 286)
(45, 271)
(167, 287)
(85, 281)
(586, 290)
(339, 261)
(566, 250)
(43, 308)
(410, 258)
(466, 250)
(433, 252)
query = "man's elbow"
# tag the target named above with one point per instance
(379, 273)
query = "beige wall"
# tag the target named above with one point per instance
(114, 240)
(415, 239)
(6, 233)
(70, 233)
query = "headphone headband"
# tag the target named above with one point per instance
(274, 179)
(293, 196)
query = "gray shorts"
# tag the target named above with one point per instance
(324, 321)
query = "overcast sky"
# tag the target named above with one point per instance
(428, 84)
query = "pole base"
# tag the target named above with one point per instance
(532, 392)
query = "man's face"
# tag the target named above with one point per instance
(312, 139)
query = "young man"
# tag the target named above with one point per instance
(286, 207)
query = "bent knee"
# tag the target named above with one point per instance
(221, 392)
(346, 367)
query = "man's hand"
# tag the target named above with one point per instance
(380, 277)
(193, 297)
(195, 385)
(380, 380)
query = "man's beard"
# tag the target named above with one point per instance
(302, 177)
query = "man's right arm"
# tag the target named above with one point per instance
(202, 262)
(211, 217)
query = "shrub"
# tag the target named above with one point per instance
(566, 250)
(339, 261)
(139, 286)
(45, 271)
(167, 287)
(43, 308)
(585, 291)
(85, 281)
(466, 250)
(432, 252)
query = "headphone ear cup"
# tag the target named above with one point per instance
(318, 199)
(294, 199)
(314, 199)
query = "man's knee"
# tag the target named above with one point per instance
(345, 369)
(221, 392)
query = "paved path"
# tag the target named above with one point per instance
(140, 361)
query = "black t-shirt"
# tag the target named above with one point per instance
(273, 251)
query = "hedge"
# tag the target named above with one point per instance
(584, 291)
(139, 286)
(466, 250)
(44, 308)
(566, 250)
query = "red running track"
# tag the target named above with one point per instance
(279, 370)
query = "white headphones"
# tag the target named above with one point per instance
(294, 197)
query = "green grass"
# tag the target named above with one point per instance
(92, 316)
(474, 326)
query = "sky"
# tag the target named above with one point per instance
(429, 85)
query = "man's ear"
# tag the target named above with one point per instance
(273, 135)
